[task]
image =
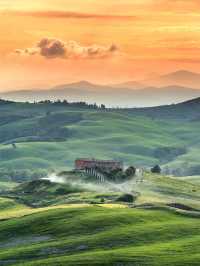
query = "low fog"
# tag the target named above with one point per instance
(125, 187)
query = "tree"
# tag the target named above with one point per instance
(102, 200)
(14, 145)
(130, 171)
(129, 198)
(156, 169)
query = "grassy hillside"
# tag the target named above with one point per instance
(50, 136)
(101, 236)
(160, 189)
(7, 185)
(161, 227)
(192, 179)
(40, 193)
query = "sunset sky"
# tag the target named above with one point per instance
(49, 42)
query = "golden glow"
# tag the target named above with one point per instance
(153, 36)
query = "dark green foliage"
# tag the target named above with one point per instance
(156, 169)
(65, 103)
(129, 198)
(130, 171)
(14, 146)
(102, 200)
(42, 192)
(21, 175)
(46, 187)
(118, 175)
(67, 190)
(5, 102)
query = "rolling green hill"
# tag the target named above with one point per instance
(46, 223)
(101, 236)
(51, 136)
(41, 193)
(153, 189)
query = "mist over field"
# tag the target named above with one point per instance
(125, 187)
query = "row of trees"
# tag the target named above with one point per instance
(80, 104)
(118, 175)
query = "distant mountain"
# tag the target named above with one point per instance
(118, 96)
(129, 85)
(81, 85)
(181, 78)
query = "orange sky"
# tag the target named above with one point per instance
(148, 36)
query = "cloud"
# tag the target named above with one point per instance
(54, 48)
(66, 14)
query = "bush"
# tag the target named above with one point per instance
(156, 169)
(21, 175)
(102, 200)
(130, 171)
(127, 198)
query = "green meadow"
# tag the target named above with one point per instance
(101, 236)
(72, 227)
(49, 137)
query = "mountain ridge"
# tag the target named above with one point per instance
(123, 97)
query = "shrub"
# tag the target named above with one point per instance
(130, 171)
(156, 169)
(127, 198)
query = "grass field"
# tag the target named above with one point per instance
(7, 185)
(53, 141)
(101, 236)
(162, 227)
(151, 188)
(164, 189)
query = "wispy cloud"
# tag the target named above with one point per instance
(54, 48)
(66, 14)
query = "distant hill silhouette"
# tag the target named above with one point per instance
(111, 96)
(181, 78)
